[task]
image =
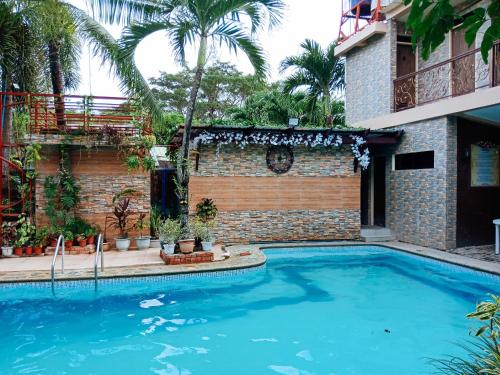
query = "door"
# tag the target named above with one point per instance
(463, 78)
(379, 191)
(405, 89)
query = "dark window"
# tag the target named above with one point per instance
(415, 160)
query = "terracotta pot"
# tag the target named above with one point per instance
(53, 242)
(105, 246)
(82, 243)
(29, 250)
(38, 250)
(18, 251)
(90, 240)
(68, 244)
(186, 246)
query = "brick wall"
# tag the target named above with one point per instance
(421, 203)
(318, 198)
(101, 174)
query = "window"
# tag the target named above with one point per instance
(414, 160)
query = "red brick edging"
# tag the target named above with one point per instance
(196, 257)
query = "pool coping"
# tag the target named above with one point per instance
(255, 258)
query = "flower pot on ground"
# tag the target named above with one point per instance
(38, 250)
(142, 242)
(68, 244)
(168, 248)
(106, 246)
(155, 222)
(41, 238)
(8, 237)
(120, 218)
(18, 251)
(122, 244)
(7, 251)
(187, 245)
(82, 240)
(203, 231)
(91, 240)
(28, 250)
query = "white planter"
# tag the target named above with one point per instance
(156, 244)
(206, 245)
(143, 242)
(122, 244)
(168, 248)
(7, 251)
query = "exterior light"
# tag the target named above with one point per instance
(293, 122)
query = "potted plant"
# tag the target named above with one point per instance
(142, 242)
(169, 232)
(91, 232)
(41, 236)
(206, 210)
(154, 224)
(18, 247)
(82, 240)
(68, 239)
(8, 237)
(25, 234)
(186, 239)
(119, 220)
(205, 234)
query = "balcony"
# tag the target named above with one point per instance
(49, 118)
(460, 75)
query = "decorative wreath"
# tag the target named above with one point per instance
(279, 159)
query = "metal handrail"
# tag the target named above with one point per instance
(60, 243)
(98, 255)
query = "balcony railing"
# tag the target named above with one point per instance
(77, 115)
(460, 75)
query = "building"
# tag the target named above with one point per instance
(279, 183)
(439, 186)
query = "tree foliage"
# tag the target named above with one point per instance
(430, 21)
(317, 72)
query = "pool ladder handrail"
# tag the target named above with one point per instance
(60, 244)
(98, 255)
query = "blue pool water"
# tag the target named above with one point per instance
(340, 310)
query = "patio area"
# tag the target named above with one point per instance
(148, 262)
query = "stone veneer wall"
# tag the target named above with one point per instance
(317, 199)
(421, 204)
(100, 174)
(369, 71)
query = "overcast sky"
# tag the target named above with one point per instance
(315, 19)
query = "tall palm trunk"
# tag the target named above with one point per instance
(183, 157)
(56, 75)
(327, 107)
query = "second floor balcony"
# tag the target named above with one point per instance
(49, 118)
(463, 74)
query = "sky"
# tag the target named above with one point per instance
(314, 19)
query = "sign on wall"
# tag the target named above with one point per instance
(485, 165)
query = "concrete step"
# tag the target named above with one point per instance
(378, 238)
(376, 234)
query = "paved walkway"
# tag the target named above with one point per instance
(486, 253)
(148, 262)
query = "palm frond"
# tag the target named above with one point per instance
(124, 12)
(105, 46)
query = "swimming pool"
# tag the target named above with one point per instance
(337, 310)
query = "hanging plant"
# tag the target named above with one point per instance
(242, 139)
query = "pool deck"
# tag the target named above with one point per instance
(149, 263)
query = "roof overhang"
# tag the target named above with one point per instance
(360, 38)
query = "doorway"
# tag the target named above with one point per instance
(373, 193)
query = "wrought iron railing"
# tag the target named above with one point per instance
(74, 114)
(457, 76)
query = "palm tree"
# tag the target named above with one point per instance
(319, 72)
(61, 28)
(199, 23)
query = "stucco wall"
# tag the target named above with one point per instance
(318, 198)
(421, 203)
